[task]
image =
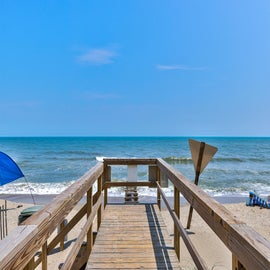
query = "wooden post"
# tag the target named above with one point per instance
(6, 225)
(89, 210)
(196, 181)
(100, 208)
(30, 265)
(191, 208)
(1, 229)
(158, 193)
(105, 197)
(154, 176)
(236, 265)
(107, 178)
(62, 241)
(176, 232)
(44, 256)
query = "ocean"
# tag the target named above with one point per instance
(51, 164)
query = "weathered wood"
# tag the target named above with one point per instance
(152, 173)
(44, 256)
(132, 236)
(89, 234)
(191, 248)
(130, 184)
(158, 193)
(76, 247)
(48, 218)
(236, 235)
(256, 252)
(67, 228)
(106, 178)
(247, 246)
(177, 213)
(13, 244)
(197, 175)
(107, 173)
(105, 197)
(236, 265)
(99, 192)
(30, 265)
(130, 161)
(62, 241)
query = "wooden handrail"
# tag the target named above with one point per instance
(246, 245)
(20, 236)
(75, 249)
(191, 248)
(252, 250)
(129, 161)
(130, 184)
(48, 218)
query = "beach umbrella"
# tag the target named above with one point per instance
(9, 170)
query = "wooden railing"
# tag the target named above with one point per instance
(249, 249)
(18, 250)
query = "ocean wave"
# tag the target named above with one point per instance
(73, 158)
(240, 159)
(178, 160)
(67, 152)
(80, 159)
(188, 160)
(228, 159)
(263, 189)
(35, 188)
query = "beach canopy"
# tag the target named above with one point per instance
(9, 170)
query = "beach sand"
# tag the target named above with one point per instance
(215, 254)
(212, 250)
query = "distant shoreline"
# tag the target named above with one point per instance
(47, 198)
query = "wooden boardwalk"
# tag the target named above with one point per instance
(133, 237)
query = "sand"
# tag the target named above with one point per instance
(216, 255)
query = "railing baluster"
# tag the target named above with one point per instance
(44, 256)
(62, 241)
(236, 265)
(158, 193)
(236, 235)
(100, 208)
(89, 210)
(176, 231)
(30, 265)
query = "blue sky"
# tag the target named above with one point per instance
(135, 68)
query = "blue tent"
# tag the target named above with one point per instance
(9, 170)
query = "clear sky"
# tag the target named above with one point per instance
(135, 68)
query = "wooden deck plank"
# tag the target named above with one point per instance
(133, 237)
